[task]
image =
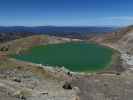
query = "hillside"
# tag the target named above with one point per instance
(12, 36)
(27, 81)
(118, 35)
(122, 41)
(126, 40)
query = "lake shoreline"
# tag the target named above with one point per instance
(73, 45)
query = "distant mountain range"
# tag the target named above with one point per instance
(54, 29)
(15, 32)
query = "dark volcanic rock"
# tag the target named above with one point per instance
(67, 85)
(12, 36)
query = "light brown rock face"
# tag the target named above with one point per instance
(126, 41)
(123, 36)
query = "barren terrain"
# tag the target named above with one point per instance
(26, 81)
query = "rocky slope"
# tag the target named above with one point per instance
(109, 86)
(25, 81)
(123, 42)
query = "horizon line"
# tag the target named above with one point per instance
(64, 25)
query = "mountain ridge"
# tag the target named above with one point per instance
(58, 29)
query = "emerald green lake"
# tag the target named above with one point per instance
(75, 56)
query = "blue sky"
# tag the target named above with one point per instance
(66, 12)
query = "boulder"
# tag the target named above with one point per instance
(67, 85)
